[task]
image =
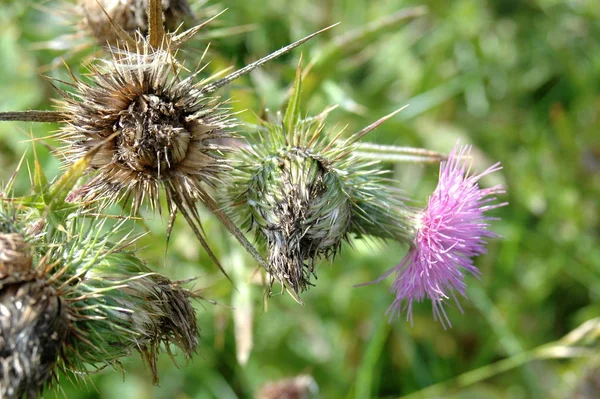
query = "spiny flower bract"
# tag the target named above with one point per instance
(303, 192)
(450, 231)
(117, 304)
(72, 298)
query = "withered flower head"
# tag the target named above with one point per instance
(152, 128)
(33, 321)
(99, 17)
(304, 193)
(117, 306)
(71, 298)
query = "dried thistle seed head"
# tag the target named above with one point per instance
(33, 327)
(130, 15)
(147, 128)
(152, 129)
(33, 321)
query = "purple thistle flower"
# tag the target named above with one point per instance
(449, 233)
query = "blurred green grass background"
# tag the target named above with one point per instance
(519, 79)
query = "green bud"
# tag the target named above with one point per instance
(117, 305)
(304, 193)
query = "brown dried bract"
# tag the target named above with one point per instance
(14, 256)
(130, 15)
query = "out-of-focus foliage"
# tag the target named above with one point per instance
(518, 79)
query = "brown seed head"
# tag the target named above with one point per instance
(129, 15)
(152, 127)
(33, 327)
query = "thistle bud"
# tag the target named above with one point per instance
(298, 203)
(130, 15)
(117, 305)
(304, 194)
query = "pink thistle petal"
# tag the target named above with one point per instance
(450, 232)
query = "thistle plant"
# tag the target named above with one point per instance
(148, 127)
(303, 192)
(141, 130)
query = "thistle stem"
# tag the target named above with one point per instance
(32, 116)
(156, 29)
(397, 154)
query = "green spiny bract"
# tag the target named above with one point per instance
(304, 192)
(118, 305)
(87, 302)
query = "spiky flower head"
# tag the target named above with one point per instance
(117, 305)
(148, 128)
(88, 302)
(99, 17)
(303, 192)
(449, 233)
(152, 128)
(33, 320)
